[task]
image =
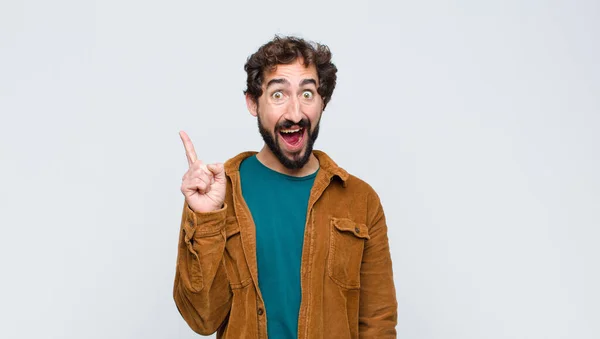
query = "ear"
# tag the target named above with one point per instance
(252, 105)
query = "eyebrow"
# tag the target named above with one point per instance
(285, 82)
(277, 81)
(308, 81)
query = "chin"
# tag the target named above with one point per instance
(296, 160)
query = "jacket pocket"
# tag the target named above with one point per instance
(346, 246)
(234, 258)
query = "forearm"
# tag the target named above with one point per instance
(201, 289)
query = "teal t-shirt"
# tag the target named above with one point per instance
(278, 205)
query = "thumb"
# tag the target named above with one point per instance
(218, 170)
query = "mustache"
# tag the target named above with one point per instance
(304, 123)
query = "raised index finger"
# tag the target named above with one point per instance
(190, 152)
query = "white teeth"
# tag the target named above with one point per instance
(290, 130)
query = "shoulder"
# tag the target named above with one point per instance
(360, 187)
(352, 184)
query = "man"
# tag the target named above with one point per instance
(284, 243)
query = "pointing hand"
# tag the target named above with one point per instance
(202, 185)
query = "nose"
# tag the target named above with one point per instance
(294, 111)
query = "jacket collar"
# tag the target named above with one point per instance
(326, 164)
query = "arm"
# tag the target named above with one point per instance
(201, 291)
(378, 306)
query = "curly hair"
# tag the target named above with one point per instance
(285, 50)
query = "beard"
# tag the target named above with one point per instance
(298, 159)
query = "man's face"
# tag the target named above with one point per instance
(289, 111)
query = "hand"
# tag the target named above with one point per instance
(202, 185)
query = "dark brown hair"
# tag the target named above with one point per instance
(285, 50)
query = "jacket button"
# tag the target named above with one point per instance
(260, 311)
(357, 230)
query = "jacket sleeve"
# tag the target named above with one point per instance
(201, 290)
(378, 305)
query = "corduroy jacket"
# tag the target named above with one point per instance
(346, 268)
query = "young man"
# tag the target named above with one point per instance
(284, 243)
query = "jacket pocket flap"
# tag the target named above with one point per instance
(347, 225)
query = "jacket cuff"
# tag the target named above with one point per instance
(203, 224)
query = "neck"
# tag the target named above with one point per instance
(267, 158)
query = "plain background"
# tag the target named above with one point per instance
(477, 123)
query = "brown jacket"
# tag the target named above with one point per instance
(346, 270)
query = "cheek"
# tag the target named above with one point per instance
(269, 117)
(313, 113)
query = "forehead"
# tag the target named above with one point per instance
(294, 72)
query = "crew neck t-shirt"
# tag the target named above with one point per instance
(278, 204)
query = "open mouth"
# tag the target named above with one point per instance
(292, 137)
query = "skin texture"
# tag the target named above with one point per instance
(202, 185)
(289, 100)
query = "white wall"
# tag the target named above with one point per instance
(477, 123)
